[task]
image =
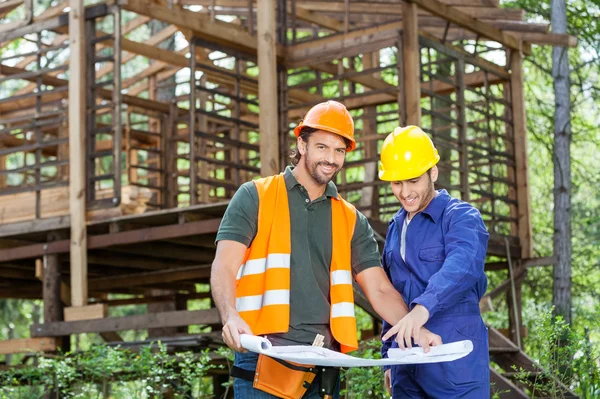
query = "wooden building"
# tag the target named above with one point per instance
(113, 178)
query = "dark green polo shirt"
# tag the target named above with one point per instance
(311, 233)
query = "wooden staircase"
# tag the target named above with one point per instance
(507, 354)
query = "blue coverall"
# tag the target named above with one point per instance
(444, 271)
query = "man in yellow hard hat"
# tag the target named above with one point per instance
(288, 249)
(434, 255)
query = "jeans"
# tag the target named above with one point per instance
(243, 389)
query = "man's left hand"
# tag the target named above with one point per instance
(409, 327)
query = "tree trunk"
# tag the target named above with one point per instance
(561, 297)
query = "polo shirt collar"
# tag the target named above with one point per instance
(291, 182)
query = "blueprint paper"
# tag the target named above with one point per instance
(312, 355)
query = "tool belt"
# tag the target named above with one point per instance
(280, 378)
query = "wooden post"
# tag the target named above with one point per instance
(202, 143)
(520, 133)
(2, 167)
(411, 65)
(509, 144)
(267, 88)
(53, 308)
(370, 194)
(52, 290)
(77, 151)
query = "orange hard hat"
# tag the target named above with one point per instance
(330, 116)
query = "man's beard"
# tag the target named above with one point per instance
(313, 170)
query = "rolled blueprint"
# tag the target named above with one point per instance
(311, 355)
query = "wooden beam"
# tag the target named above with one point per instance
(458, 17)
(307, 15)
(520, 137)
(335, 46)
(107, 240)
(77, 152)
(504, 385)
(22, 345)
(411, 64)
(88, 312)
(202, 26)
(189, 273)
(137, 322)
(552, 39)
(268, 120)
(9, 5)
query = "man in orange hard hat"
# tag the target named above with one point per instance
(288, 249)
(434, 255)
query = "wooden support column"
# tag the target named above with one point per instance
(410, 62)
(369, 194)
(2, 167)
(53, 308)
(203, 171)
(52, 291)
(509, 144)
(520, 134)
(77, 151)
(267, 88)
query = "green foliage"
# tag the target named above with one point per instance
(563, 356)
(365, 382)
(150, 372)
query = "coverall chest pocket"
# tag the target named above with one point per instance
(432, 254)
(431, 259)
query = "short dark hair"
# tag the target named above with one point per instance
(305, 134)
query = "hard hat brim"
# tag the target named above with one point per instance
(400, 175)
(329, 129)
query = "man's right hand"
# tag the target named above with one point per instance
(427, 339)
(233, 327)
(388, 380)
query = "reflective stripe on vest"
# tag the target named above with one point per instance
(263, 281)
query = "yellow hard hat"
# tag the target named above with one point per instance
(407, 152)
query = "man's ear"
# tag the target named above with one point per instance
(301, 146)
(434, 174)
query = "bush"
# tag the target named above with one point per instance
(563, 356)
(365, 382)
(104, 371)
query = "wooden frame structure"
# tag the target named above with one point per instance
(128, 170)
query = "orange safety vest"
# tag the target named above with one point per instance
(263, 281)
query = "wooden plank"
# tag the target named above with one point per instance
(137, 322)
(9, 5)
(522, 172)
(504, 385)
(335, 46)
(189, 273)
(35, 226)
(473, 8)
(307, 15)
(411, 65)
(88, 312)
(23, 345)
(552, 39)
(462, 19)
(201, 25)
(267, 88)
(107, 240)
(111, 336)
